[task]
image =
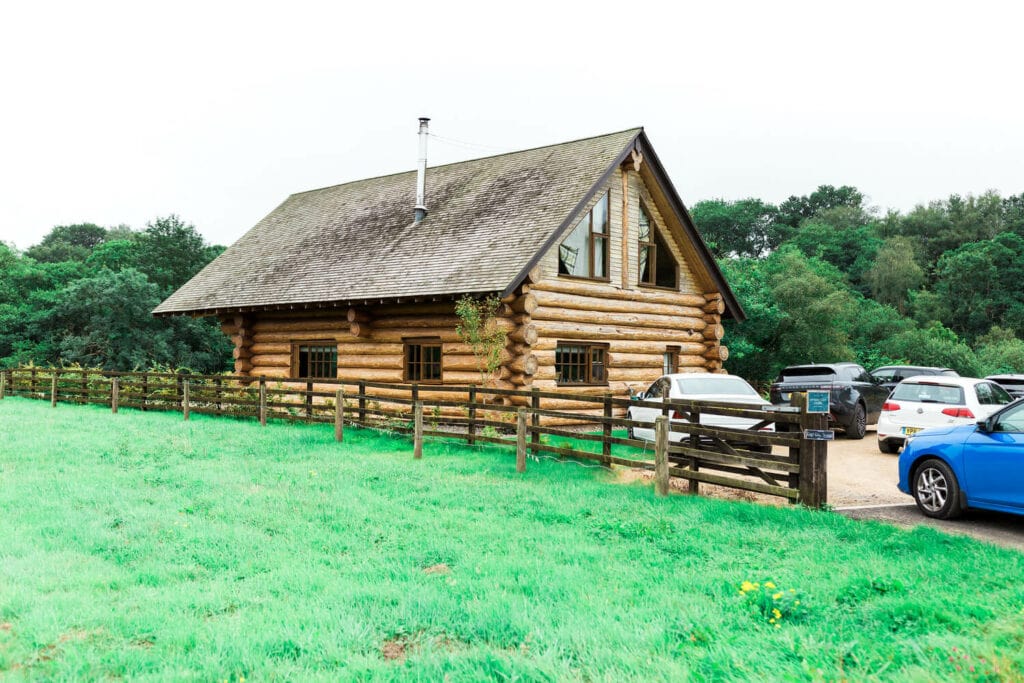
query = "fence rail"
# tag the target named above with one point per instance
(780, 463)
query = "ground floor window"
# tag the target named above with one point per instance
(315, 360)
(423, 360)
(577, 363)
(670, 362)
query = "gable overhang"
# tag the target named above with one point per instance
(654, 175)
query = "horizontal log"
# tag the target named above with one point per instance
(566, 286)
(717, 352)
(275, 347)
(243, 365)
(361, 330)
(526, 365)
(694, 343)
(369, 348)
(558, 300)
(399, 334)
(358, 315)
(371, 374)
(627, 374)
(526, 303)
(321, 335)
(714, 332)
(301, 325)
(551, 329)
(715, 307)
(639, 320)
(524, 334)
(281, 360)
(425, 308)
(371, 361)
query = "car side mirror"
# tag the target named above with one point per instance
(640, 395)
(985, 425)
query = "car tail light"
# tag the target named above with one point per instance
(958, 412)
(676, 415)
(889, 405)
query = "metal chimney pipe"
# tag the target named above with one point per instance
(421, 174)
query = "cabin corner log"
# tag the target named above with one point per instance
(717, 352)
(524, 334)
(359, 329)
(358, 315)
(716, 331)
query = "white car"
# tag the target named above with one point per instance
(930, 401)
(698, 386)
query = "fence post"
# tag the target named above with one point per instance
(535, 421)
(521, 440)
(362, 403)
(85, 386)
(185, 408)
(145, 390)
(471, 427)
(661, 455)
(813, 459)
(309, 397)
(53, 390)
(219, 392)
(693, 486)
(263, 401)
(3, 384)
(606, 444)
(339, 415)
(417, 439)
(115, 390)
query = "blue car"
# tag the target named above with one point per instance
(950, 469)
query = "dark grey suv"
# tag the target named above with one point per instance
(891, 375)
(855, 398)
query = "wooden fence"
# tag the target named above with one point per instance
(781, 463)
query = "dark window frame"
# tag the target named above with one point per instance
(670, 360)
(592, 237)
(586, 365)
(414, 365)
(651, 244)
(315, 346)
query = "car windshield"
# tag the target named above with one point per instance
(801, 374)
(714, 385)
(929, 393)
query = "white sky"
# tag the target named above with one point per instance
(118, 113)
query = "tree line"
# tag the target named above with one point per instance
(84, 295)
(823, 277)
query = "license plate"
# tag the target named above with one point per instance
(910, 431)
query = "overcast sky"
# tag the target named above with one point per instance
(116, 113)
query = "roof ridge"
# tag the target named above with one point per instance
(635, 130)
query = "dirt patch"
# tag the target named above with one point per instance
(441, 568)
(395, 649)
(858, 474)
(6, 626)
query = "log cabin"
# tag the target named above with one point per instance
(604, 281)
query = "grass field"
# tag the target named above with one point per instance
(139, 546)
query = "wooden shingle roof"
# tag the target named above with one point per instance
(488, 218)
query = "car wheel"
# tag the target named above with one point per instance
(887, 446)
(858, 425)
(936, 491)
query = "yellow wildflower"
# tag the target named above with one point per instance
(777, 596)
(769, 585)
(777, 613)
(771, 621)
(747, 586)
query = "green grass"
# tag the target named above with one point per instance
(139, 546)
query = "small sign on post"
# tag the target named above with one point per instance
(817, 401)
(819, 435)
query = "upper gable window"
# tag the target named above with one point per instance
(584, 253)
(657, 265)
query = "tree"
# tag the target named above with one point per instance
(1000, 352)
(894, 273)
(170, 251)
(844, 236)
(478, 327)
(797, 209)
(745, 227)
(68, 243)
